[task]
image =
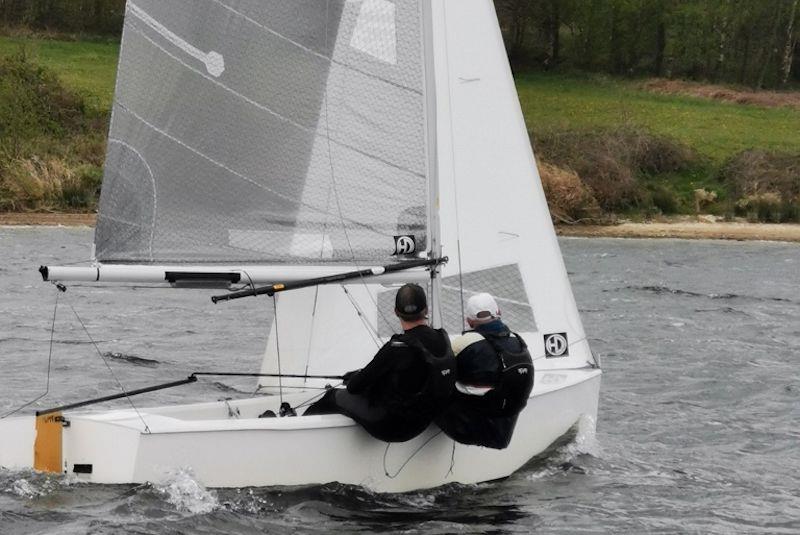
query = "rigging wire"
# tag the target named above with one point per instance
(453, 164)
(61, 289)
(105, 361)
(373, 331)
(278, 347)
(333, 181)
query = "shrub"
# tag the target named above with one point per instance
(34, 103)
(754, 172)
(767, 185)
(665, 199)
(568, 197)
(766, 207)
(35, 184)
(609, 161)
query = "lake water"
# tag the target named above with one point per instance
(698, 431)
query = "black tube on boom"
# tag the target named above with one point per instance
(188, 380)
(340, 277)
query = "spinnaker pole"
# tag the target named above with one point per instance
(330, 279)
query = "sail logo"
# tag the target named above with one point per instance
(404, 245)
(555, 345)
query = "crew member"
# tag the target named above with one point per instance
(411, 378)
(493, 381)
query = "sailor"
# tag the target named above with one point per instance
(411, 378)
(493, 381)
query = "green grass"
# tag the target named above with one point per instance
(551, 102)
(717, 130)
(89, 68)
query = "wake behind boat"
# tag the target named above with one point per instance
(286, 146)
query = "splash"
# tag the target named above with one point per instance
(561, 460)
(25, 489)
(187, 494)
(585, 442)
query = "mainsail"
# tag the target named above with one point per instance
(289, 139)
(270, 132)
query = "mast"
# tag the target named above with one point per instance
(434, 226)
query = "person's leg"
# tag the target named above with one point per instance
(325, 405)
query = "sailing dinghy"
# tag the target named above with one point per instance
(284, 144)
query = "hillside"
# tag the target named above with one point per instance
(633, 148)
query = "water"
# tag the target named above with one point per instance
(698, 428)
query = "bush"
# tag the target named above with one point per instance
(755, 172)
(568, 197)
(50, 150)
(767, 185)
(665, 200)
(768, 208)
(610, 161)
(34, 184)
(33, 103)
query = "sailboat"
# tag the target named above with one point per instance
(322, 153)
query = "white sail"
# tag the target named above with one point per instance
(274, 139)
(269, 132)
(496, 226)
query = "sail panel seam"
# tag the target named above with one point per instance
(317, 54)
(153, 180)
(233, 171)
(272, 112)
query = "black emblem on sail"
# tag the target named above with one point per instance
(405, 245)
(555, 345)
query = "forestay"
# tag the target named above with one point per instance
(266, 131)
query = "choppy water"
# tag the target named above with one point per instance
(698, 429)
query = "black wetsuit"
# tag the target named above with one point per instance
(477, 420)
(388, 397)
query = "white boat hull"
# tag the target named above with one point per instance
(223, 450)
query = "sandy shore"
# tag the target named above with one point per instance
(48, 219)
(695, 230)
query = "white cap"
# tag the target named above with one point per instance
(481, 307)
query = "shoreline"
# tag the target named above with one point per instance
(688, 230)
(46, 219)
(679, 228)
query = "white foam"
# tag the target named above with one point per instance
(187, 494)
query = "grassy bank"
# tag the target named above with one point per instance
(613, 147)
(716, 130)
(88, 68)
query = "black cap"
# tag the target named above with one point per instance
(410, 302)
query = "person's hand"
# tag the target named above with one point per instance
(349, 375)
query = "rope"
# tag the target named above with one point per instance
(49, 361)
(452, 460)
(386, 452)
(105, 361)
(314, 398)
(278, 346)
